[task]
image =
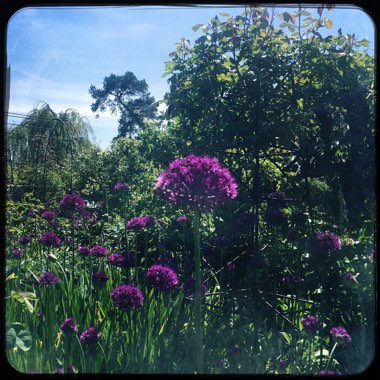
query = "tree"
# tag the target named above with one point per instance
(128, 96)
(247, 89)
(40, 150)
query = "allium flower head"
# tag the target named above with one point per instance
(127, 297)
(182, 219)
(98, 251)
(198, 181)
(162, 277)
(49, 239)
(99, 279)
(48, 215)
(277, 200)
(282, 364)
(16, 252)
(58, 371)
(274, 217)
(48, 279)
(90, 336)
(72, 202)
(69, 326)
(324, 242)
(125, 260)
(121, 186)
(24, 240)
(340, 335)
(84, 251)
(137, 222)
(310, 324)
(329, 372)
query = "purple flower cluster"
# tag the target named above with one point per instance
(198, 181)
(282, 364)
(48, 215)
(99, 279)
(69, 326)
(310, 324)
(329, 372)
(72, 202)
(189, 287)
(340, 335)
(182, 219)
(277, 200)
(127, 297)
(48, 279)
(49, 239)
(162, 277)
(24, 240)
(324, 241)
(137, 222)
(274, 217)
(84, 251)
(121, 186)
(125, 260)
(16, 252)
(98, 251)
(90, 336)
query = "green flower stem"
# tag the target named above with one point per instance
(331, 355)
(198, 295)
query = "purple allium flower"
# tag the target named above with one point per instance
(162, 277)
(125, 260)
(48, 279)
(329, 372)
(121, 186)
(16, 252)
(48, 215)
(69, 326)
(198, 181)
(182, 219)
(58, 371)
(24, 240)
(70, 369)
(137, 222)
(340, 335)
(127, 297)
(291, 279)
(99, 279)
(84, 251)
(243, 222)
(90, 336)
(299, 217)
(49, 239)
(98, 251)
(282, 364)
(274, 216)
(72, 202)
(189, 287)
(324, 241)
(257, 262)
(277, 200)
(88, 216)
(221, 242)
(310, 324)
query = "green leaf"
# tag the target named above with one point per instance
(20, 344)
(300, 103)
(11, 338)
(196, 27)
(364, 42)
(328, 23)
(286, 336)
(224, 14)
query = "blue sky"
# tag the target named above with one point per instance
(57, 53)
